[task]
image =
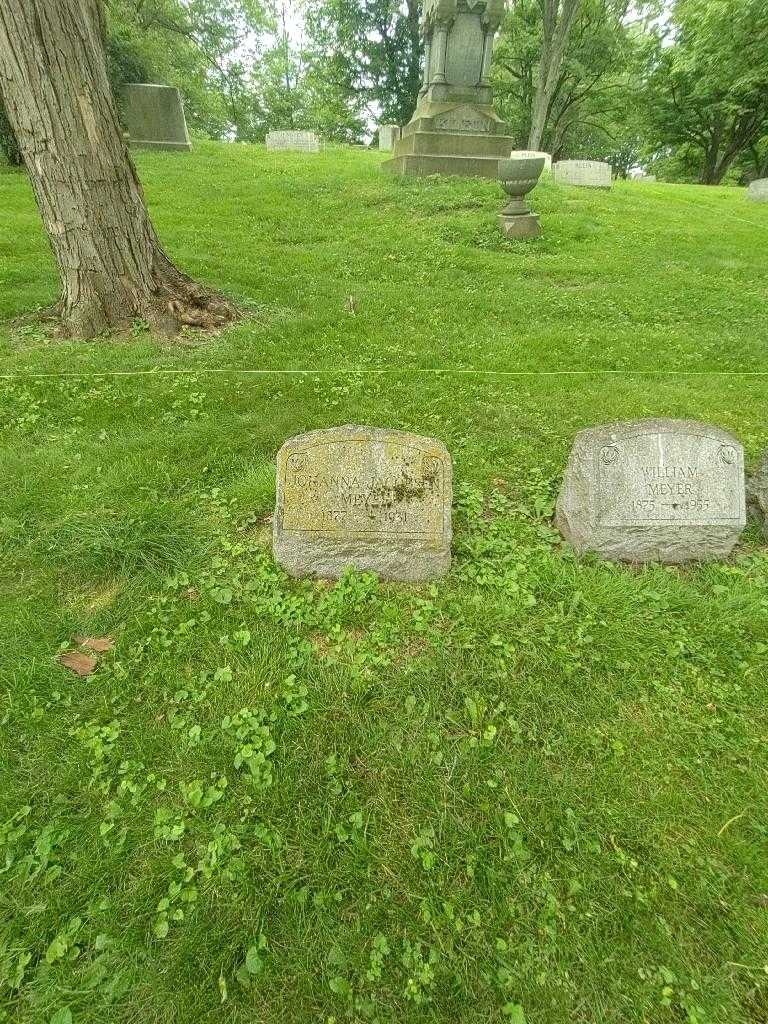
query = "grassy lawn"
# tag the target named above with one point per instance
(536, 791)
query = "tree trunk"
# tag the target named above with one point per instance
(113, 270)
(556, 29)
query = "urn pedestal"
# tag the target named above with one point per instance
(518, 176)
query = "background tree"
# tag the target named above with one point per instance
(707, 91)
(557, 18)
(375, 52)
(53, 78)
(591, 104)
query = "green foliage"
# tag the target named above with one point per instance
(534, 791)
(591, 110)
(206, 48)
(371, 50)
(708, 90)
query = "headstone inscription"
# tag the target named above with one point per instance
(154, 117)
(304, 142)
(378, 500)
(388, 136)
(525, 154)
(656, 490)
(587, 173)
(758, 190)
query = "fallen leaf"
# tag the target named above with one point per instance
(80, 664)
(99, 644)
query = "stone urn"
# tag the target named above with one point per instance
(518, 176)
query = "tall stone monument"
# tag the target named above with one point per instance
(454, 129)
(376, 500)
(154, 116)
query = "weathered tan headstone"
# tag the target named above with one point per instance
(659, 490)
(378, 500)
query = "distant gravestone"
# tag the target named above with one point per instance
(657, 490)
(523, 154)
(388, 136)
(305, 142)
(154, 117)
(588, 173)
(378, 500)
(758, 190)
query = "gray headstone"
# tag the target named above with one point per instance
(522, 154)
(304, 142)
(758, 190)
(388, 136)
(154, 117)
(378, 500)
(657, 490)
(758, 493)
(588, 173)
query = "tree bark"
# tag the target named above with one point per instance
(113, 269)
(556, 29)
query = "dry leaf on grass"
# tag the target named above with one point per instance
(81, 664)
(99, 644)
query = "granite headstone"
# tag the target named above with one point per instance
(524, 154)
(587, 173)
(304, 142)
(378, 500)
(758, 190)
(154, 117)
(758, 493)
(661, 490)
(388, 136)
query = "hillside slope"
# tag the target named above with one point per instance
(534, 791)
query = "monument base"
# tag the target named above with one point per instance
(459, 138)
(524, 225)
(457, 153)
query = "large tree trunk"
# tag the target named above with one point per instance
(113, 270)
(556, 29)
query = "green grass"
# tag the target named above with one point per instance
(536, 788)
